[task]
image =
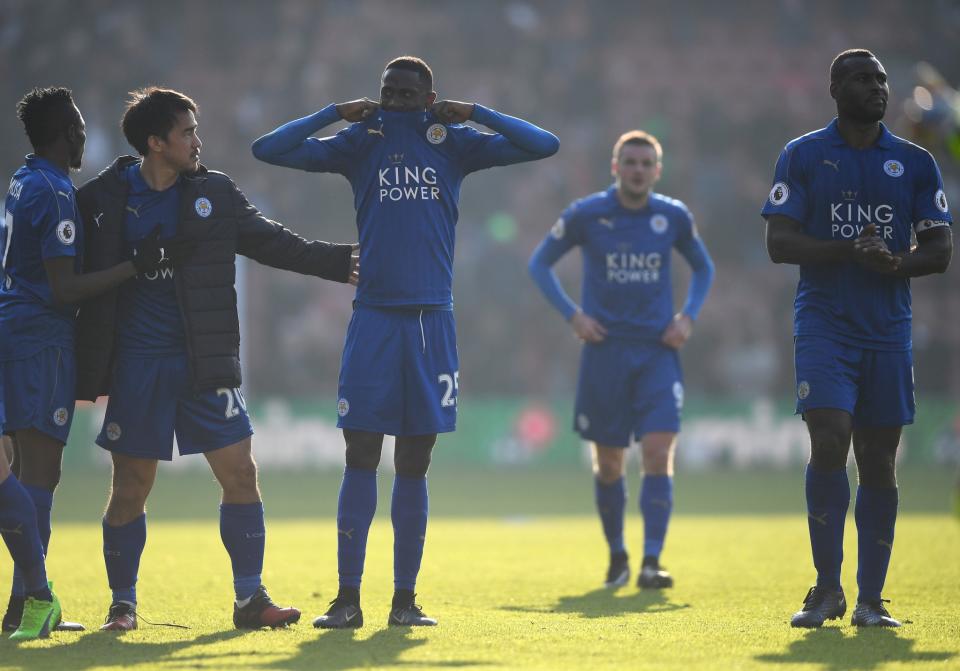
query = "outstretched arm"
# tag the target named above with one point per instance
(292, 145)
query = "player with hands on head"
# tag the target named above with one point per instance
(630, 385)
(405, 158)
(845, 204)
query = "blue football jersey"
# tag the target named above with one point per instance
(405, 169)
(40, 222)
(835, 191)
(626, 259)
(149, 315)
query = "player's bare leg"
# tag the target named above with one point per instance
(243, 533)
(875, 450)
(409, 510)
(124, 536)
(355, 510)
(609, 469)
(657, 450)
(828, 497)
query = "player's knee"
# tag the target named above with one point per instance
(877, 469)
(363, 455)
(412, 461)
(608, 468)
(241, 478)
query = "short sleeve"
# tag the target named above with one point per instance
(52, 217)
(930, 208)
(789, 194)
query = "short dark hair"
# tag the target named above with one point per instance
(413, 64)
(46, 113)
(638, 137)
(838, 67)
(152, 111)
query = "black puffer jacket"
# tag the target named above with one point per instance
(204, 284)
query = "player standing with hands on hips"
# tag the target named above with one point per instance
(405, 157)
(845, 203)
(630, 383)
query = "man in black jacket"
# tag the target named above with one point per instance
(165, 347)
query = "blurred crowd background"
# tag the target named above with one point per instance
(723, 85)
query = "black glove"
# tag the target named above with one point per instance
(152, 253)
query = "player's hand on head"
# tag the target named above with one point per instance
(587, 328)
(355, 265)
(452, 111)
(357, 110)
(678, 331)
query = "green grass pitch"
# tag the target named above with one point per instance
(514, 588)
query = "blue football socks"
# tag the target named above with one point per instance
(656, 504)
(408, 510)
(876, 516)
(122, 548)
(18, 526)
(828, 497)
(355, 510)
(611, 503)
(42, 503)
(243, 534)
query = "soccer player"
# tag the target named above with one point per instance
(630, 383)
(40, 236)
(405, 158)
(165, 347)
(845, 203)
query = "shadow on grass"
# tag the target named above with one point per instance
(605, 602)
(866, 649)
(106, 650)
(336, 650)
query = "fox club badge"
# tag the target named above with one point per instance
(203, 207)
(437, 133)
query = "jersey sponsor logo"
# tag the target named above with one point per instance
(848, 218)
(408, 183)
(60, 416)
(659, 223)
(833, 164)
(203, 206)
(437, 133)
(779, 194)
(893, 168)
(678, 394)
(343, 407)
(583, 422)
(113, 431)
(161, 274)
(627, 267)
(559, 229)
(803, 389)
(66, 232)
(940, 200)
(16, 186)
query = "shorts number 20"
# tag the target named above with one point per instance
(234, 399)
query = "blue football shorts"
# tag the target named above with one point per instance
(874, 386)
(400, 372)
(38, 393)
(151, 400)
(627, 389)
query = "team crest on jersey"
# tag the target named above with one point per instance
(779, 193)
(437, 133)
(60, 416)
(940, 199)
(803, 389)
(113, 431)
(659, 223)
(203, 207)
(559, 229)
(583, 422)
(343, 407)
(66, 232)
(678, 393)
(893, 168)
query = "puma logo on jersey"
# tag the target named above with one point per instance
(64, 194)
(819, 519)
(603, 221)
(833, 164)
(376, 131)
(96, 219)
(134, 210)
